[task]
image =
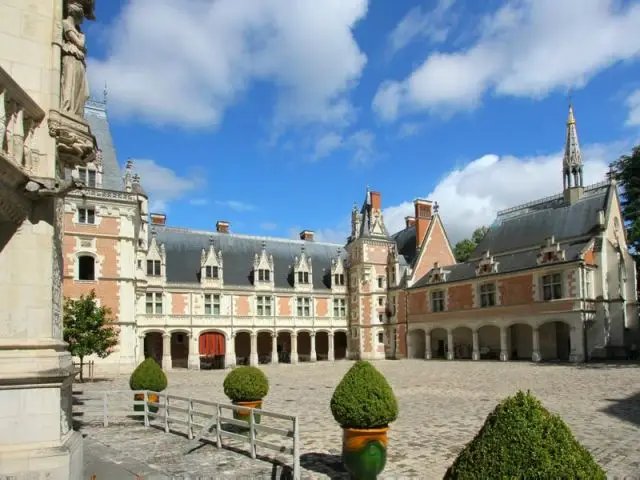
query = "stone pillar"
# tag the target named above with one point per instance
(331, 355)
(166, 351)
(274, 348)
(230, 357)
(504, 348)
(253, 357)
(313, 357)
(535, 356)
(427, 346)
(140, 352)
(194, 352)
(294, 348)
(476, 346)
(450, 355)
(576, 337)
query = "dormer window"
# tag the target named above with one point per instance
(154, 268)
(487, 264)
(338, 279)
(263, 268)
(303, 278)
(550, 252)
(302, 269)
(87, 176)
(264, 275)
(437, 274)
(211, 266)
(211, 272)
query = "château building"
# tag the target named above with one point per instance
(552, 279)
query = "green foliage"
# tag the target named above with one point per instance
(87, 328)
(521, 439)
(626, 171)
(364, 399)
(464, 248)
(148, 376)
(246, 384)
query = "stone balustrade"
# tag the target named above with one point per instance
(250, 322)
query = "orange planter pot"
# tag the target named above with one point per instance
(243, 413)
(152, 397)
(364, 451)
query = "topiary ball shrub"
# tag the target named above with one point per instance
(521, 439)
(364, 399)
(148, 376)
(246, 384)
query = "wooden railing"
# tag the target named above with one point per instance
(204, 420)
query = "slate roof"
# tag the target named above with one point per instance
(184, 247)
(95, 113)
(366, 220)
(406, 245)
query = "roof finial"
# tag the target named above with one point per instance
(264, 245)
(105, 93)
(571, 120)
(436, 207)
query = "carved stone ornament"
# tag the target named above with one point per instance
(74, 141)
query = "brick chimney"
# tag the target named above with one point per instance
(158, 219)
(423, 218)
(306, 235)
(222, 226)
(376, 202)
(410, 221)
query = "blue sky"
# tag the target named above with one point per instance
(276, 114)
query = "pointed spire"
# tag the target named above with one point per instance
(572, 160)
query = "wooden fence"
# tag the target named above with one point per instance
(204, 420)
(88, 369)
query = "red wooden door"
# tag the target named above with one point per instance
(212, 344)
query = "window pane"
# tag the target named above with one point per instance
(207, 309)
(82, 215)
(91, 178)
(91, 216)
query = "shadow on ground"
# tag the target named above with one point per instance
(594, 364)
(626, 409)
(324, 463)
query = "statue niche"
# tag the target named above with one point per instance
(74, 89)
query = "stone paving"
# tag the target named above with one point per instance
(442, 406)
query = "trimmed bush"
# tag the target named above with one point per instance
(246, 384)
(148, 376)
(521, 439)
(364, 399)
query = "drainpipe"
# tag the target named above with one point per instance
(406, 323)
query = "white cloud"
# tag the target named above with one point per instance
(409, 129)
(633, 102)
(528, 48)
(163, 185)
(236, 205)
(360, 143)
(268, 226)
(185, 62)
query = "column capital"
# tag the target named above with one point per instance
(331, 334)
(274, 334)
(166, 335)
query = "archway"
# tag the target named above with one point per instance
(153, 346)
(322, 345)
(212, 349)
(179, 350)
(439, 345)
(243, 348)
(304, 346)
(340, 345)
(265, 345)
(417, 346)
(520, 341)
(555, 341)
(463, 343)
(284, 347)
(489, 342)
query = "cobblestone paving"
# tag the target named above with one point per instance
(442, 406)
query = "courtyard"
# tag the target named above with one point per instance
(442, 406)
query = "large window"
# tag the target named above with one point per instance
(338, 279)
(154, 302)
(264, 275)
(303, 278)
(437, 301)
(339, 307)
(211, 272)
(304, 306)
(86, 216)
(263, 305)
(153, 268)
(487, 295)
(87, 176)
(552, 286)
(86, 268)
(211, 304)
(588, 284)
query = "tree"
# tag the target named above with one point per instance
(88, 329)
(464, 248)
(626, 171)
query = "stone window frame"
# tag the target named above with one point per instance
(212, 272)
(157, 298)
(437, 299)
(210, 302)
(303, 278)
(264, 275)
(84, 254)
(153, 263)
(380, 338)
(488, 290)
(553, 281)
(339, 307)
(380, 317)
(302, 304)
(84, 174)
(589, 290)
(338, 279)
(89, 212)
(381, 279)
(264, 306)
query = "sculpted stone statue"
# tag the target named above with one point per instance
(75, 87)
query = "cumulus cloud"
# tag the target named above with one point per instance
(361, 144)
(185, 62)
(527, 48)
(633, 102)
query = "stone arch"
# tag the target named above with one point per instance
(489, 342)
(322, 345)
(265, 346)
(242, 344)
(555, 340)
(439, 345)
(153, 345)
(284, 346)
(212, 349)
(417, 347)
(520, 341)
(462, 342)
(340, 344)
(304, 345)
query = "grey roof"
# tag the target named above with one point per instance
(508, 263)
(184, 247)
(366, 220)
(95, 113)
(406, 245)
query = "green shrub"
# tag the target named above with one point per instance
(521, 439)
(246, 384)
(364, 399)
(148, 376)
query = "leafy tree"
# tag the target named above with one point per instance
(626, 171)
(464, 248)
(88, 329)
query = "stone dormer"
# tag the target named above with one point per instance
(437, 274)
(156, 262)
(303, 271)
(263, 269)
(550, 252)
(487, 264)
(211, 266)
(338, 274)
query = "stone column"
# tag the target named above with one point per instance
(253, 357)
(294, 348)
(274, 348)
(194, 352)
(504, 348)
(450, 355)
(230, 357)
(166, 351)
(331, 355)
(476, 346)
(427, 346)
(313, 357)
(140, 353)
(576, 336)
(535, 356)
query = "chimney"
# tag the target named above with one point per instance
(410, 221)
(222, 226)
(423, 217)
(306, 235)
(376, 203)
(158, 219)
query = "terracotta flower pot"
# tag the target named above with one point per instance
(364, 452)
(153, 397)
(243, 413)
